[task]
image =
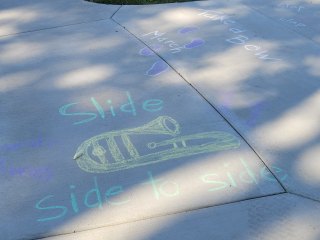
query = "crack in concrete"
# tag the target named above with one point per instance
(281, 25)
(168, 214)
(211, 104)
(61, 26)
(306, 197)
(116, 11)
(48, 28)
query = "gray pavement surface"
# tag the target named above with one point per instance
(195, 120)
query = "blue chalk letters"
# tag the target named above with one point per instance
(92, 199)
(150, 105)
(160, 188)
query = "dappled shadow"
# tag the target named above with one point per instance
(254, 86)
(26, 16)
(98, 67)
(273, 104)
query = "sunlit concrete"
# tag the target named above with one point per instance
(22, 16)
(189, 120)
(300, 16)
(75, 82)
(278, 217)
(259, 72)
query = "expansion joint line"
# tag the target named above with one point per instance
(281, 25)
(306, 197)
(61, 26)
(211, 104)
(238, 132)
(116, 12)
(168, 214)
(148, 47)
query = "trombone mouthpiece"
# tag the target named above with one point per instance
(77, 155)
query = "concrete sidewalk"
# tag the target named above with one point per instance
(195, 120)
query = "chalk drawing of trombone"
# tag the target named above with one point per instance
(91, 155)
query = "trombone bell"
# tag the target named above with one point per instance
(91, 155)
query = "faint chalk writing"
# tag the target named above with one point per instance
(28, 144)
(103, 196)
(33, 172)
(106, 109)
(292, 22)
(297, 8)
(173, 46)
(91, 155)
(236, 29)
(245, 174)
(161, 66)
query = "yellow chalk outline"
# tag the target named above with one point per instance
(161, 125)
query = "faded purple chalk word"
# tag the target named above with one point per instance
(27, 144)
(37, 173)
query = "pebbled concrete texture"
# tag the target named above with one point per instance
(190, 120)
(279, 217)
(24, 16)
(260, 75)
(298, 16)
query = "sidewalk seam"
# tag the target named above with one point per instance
(305, 197)
(211, 104)
(169, 214)
(281, 25)
(116, 11)
(61, 26)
